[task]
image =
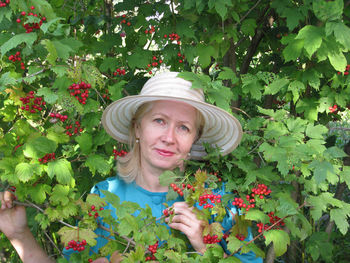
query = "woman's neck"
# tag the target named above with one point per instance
(150, 181)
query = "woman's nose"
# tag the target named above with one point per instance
(169, 135)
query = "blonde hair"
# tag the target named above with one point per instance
(129, 166)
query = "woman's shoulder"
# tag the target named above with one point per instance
(111, 184)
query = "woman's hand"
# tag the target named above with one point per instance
(185, 220)
(13, 219)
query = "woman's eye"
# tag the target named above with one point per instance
(160, 121)
(184, 128)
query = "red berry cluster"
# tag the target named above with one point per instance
(333, 109)
(30, 27)
(177, 189)
(76, 245)
(346, 72)
(173, 37)
(239, 202)
(240, 237)
(155, 62)
(123, 21)
(17, 146)
(181, 57)
(17, 57)
(153, 250)
(119, 71)
(90, 260)
(106, 94)
(168, 211)
(4, 4)
(59, 116)
(117, 153)
(31, 103)
(70, 129)
(47, 158)
(209, 239)
(94, 212)
(217, 175)
(203, 200)
(261, 190)
(150, 31)
(12, 189)
(80, 91)
(273, 220)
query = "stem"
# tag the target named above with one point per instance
(255, 238)
(130, 240)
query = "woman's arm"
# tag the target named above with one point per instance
(13, 223)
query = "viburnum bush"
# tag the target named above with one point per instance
(280, 66)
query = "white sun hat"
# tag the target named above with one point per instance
(221, 129)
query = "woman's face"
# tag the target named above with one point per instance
(166, 135)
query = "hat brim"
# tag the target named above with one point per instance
(221, 129)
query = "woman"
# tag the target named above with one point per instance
(164, 125)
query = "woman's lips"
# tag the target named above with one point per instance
(165, 152)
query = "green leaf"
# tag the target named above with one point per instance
(39, 192)
(97, 163)
(280, 241)
(16, 40)
(276, 86)
(111, 198)
(248, 26)
(340, 217)
(67, 234)
(168, 177)
(316, 132)
(62, 170)
(38, 147)
(228, 74)
(52, 53)
(138, 59)
(45, 26)
(65, 47)
(85, 143)
(320, 203)
(322, 170)
(328, 10)
(59, 195)
(312, 37)
(25, 171)
(293, 50)
(341, 32)
(297, 88)
(5, 80)
(116, 90)
(257, 215)
(252, 86)
(233, 243)
(337, 60)
(344, 175)
(50, 96)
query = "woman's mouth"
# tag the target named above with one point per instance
(165, 152)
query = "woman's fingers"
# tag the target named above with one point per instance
(6, 199)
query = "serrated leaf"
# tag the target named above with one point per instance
(25, 171)
(52, 53)
(116, 90)
(5, 80)
(325, 10)
(228, 74)
(275, 86)
(257, 215)
(293, 50)
(50, 97)
(62, 170)
(38, 147)
(97, 163)
(337, 60)
(322, 170)
(67, 234)
(59, 195)
(39, 192)
(233, 243)
(45, 26)
(139, 59)
(340, 217)
(85, 143)
(280, 241)
(312, 37)
(316, 132)
(111, 198)
(16, 40)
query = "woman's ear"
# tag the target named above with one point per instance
(137, 130)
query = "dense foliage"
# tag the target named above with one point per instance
(280, 66)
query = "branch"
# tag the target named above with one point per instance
(248, 12)
(270, 227)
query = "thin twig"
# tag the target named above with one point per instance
(116, 233)
(248, 12)
(53, 243)
(270, 227)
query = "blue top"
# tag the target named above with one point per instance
(134, 193)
